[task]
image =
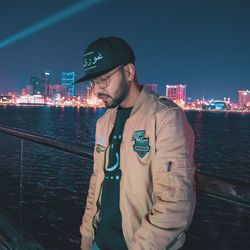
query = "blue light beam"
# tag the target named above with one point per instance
(49, 21)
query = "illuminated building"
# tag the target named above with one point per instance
(68, 78)
(151, 87)
(243, 97)
(37, 85)
(24, 91)
(29, 89)
(177, 93)
(92, 99)
(216, 105)
(46, 82)
(56, 91)
(30, 99)
(5, 99)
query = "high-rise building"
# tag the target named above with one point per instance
(37, 85)
(29, 89)
(243, 97)
(151, 87)
(92, 99)
(56, 91)
(46, 82)
(177, 93)
(68, 78)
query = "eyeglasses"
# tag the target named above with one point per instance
(103, 81)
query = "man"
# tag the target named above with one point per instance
(141, 194)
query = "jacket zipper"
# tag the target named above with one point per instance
(124, 229)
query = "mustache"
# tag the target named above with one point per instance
(103, 95)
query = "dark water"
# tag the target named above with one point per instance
(54, 184)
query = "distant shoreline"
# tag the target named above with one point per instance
(217, 110)
(77, 106)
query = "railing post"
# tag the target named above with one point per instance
(21, 195)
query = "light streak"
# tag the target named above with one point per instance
(72, 10)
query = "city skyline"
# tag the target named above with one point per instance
(81, 89)
(205, 45)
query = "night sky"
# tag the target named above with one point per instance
(205, 44)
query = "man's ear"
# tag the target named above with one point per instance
(130, 71)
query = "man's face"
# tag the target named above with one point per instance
(112, 88)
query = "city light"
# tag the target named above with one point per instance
(40, 91)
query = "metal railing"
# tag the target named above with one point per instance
(229, 190)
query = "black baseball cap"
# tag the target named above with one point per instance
(105, 54)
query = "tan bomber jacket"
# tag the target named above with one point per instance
(157, 192)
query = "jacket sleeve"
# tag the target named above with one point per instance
(173, 185)
(86, 228)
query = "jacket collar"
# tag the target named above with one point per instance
(142, 98)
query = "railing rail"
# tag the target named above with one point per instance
(228, 190)
(71, 148)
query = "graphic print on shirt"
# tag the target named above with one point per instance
(110, 169)
(114, 162)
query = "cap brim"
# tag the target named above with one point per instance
(92, 76)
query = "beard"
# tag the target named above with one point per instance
(116, 100)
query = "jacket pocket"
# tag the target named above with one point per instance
(175, 181)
